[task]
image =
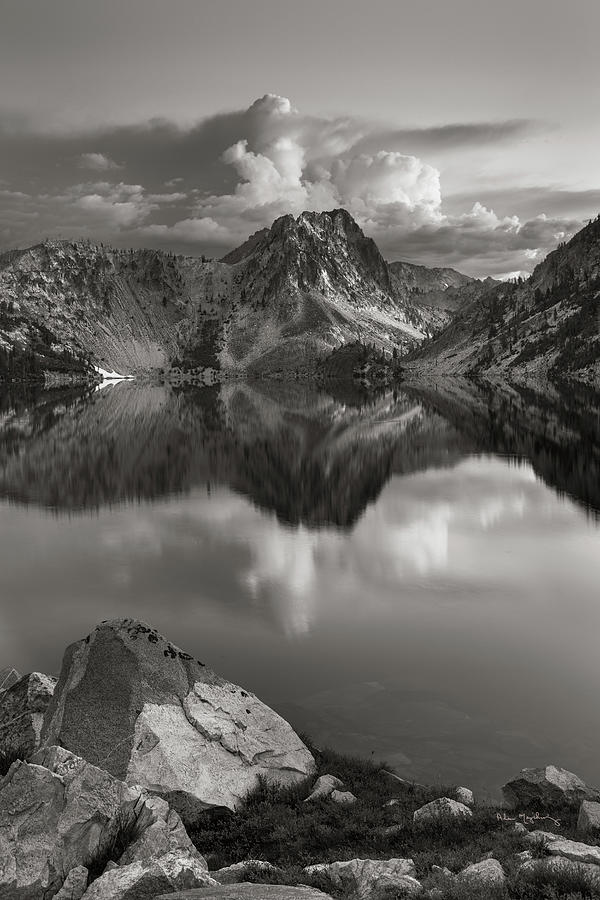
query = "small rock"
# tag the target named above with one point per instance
(542, 837)
(520, 828)
(364, 876)
(574, 850)
(522, 857)
(443, 808)
(486, 872)
(343, 797)
(237, 873)
(441, 870)
(395, 801)
(589, 816)
(545, 787)
(324, 786)
(464, 795)
(74, 885)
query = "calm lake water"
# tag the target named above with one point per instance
(415, 577)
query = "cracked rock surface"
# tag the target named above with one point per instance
(133, 703)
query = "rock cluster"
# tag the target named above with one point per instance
(138, 738)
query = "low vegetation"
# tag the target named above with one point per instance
(276, 825)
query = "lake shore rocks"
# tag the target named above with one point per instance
(365, 877)
(133, 703)
(546, 786)
(59, 813)
(324, 786)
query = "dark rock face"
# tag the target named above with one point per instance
(132, 703)
(22, 708)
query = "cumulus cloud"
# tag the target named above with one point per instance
(234, 173)
(99, 162)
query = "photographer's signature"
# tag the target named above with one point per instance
(526, 819)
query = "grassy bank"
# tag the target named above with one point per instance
(276, 825)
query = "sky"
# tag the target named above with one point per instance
(457, 132)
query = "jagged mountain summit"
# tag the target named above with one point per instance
(548, 325)
(281, 301)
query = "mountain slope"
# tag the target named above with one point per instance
(288, 296)
(547, 325)
(282, 301)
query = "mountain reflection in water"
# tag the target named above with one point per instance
(429, 557)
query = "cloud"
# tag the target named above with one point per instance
(234, 173)
(97, 161)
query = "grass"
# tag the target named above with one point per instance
(274, 824)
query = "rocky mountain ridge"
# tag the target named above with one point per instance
(548, 325)
(281, 301)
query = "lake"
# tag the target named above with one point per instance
(412, 576)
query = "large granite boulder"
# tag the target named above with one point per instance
(22, 707)
(248, 892)
(545, 787)
(132, 703)
(364, 878)
(59, 812)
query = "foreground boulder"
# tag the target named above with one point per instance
(143, 880)
(248, 892)
(443, 808)
(22, 707)
(546, 787)
(132, 703)
(58, 813)
(365, 877)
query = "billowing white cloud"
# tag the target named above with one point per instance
(98, 162)
(234, 173)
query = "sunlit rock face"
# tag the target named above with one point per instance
(132, 703)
